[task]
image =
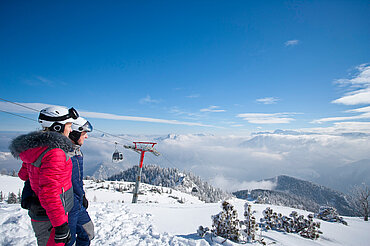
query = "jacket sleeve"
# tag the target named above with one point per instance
(52, 175)
(76, 173)
(23, 172)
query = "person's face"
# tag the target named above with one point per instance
(67, 129)
(82, 138)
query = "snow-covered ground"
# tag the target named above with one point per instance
(160, 219)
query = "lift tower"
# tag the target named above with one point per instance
(141, 148)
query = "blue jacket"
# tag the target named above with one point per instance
(77, 176)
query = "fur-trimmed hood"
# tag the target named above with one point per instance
(39, 139)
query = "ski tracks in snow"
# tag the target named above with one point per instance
(115, 224)
(15, 226)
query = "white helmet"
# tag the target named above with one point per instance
(56, 117)
(81, 125)
(78, 126)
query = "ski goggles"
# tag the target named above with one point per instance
(72, 113)
(87, 127)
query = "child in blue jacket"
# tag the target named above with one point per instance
(80, 224)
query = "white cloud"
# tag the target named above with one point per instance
(359, 86)
(193, 96)
(230, 162)
(148, 100)
(360, 110)
(9, 107)
(345, 118)
(260, 118)
(28, 108)
(184, 114)
(358, 94)
(136, 118)
(268, 100)
(339, 128)
(291, 42)
(365, 114)
(361, 96)
(230, 185)
(213, 109)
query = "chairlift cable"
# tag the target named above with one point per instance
(36, 110)
(14, 114)
(19, 104)
(150, 157)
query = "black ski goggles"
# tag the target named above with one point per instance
(87, 127)
(72, 113)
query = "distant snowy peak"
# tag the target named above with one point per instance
(173, 136)
(278, 142)
(169, 136)
(103, 170)
(285, 132)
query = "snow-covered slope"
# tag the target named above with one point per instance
(10, 184)
(174, 178)
(120, 191)
(160, 220)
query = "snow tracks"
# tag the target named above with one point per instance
(115, 224)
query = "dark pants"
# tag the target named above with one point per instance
(81, 226)
(44, 233)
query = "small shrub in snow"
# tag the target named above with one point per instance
(295, 223)
(226, 223)
(250, 225)
(202, 231)
(330, 214)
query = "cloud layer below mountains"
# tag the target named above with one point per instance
(232, 162)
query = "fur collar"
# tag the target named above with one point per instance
(39, 139)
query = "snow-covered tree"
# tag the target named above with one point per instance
(14, 173)
(249, 223)
(19, 197)
(360, 200)
(1, 196)
(226, 223)
(12, 198)
(295, 223)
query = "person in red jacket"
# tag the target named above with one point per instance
(48, 169)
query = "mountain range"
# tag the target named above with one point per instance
(297, 193)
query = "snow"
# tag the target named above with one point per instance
(10, 184)
(158, 219)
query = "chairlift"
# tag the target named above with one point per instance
(117, 156)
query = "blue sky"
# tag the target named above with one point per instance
(222, 67)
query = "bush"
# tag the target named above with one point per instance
(226, 223)
(330, 214)
(295, 223)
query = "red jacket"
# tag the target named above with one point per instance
(52, 180)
